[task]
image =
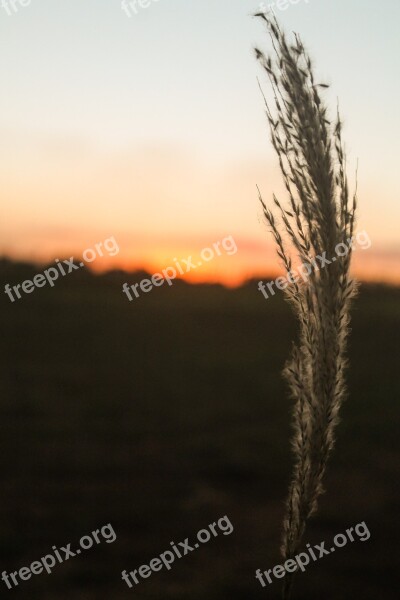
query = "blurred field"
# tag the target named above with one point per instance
(161, 415)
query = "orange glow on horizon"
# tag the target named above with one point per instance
(235, 275)
(253, 260)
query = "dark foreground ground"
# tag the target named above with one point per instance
(162, 415)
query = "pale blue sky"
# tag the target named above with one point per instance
(80, 80)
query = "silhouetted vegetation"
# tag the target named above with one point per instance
(160, 416)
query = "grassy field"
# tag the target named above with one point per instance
(162, 415)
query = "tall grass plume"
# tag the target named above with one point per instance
(319, 215)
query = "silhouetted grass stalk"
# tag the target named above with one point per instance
(320, 215)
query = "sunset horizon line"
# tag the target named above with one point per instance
(230, 279)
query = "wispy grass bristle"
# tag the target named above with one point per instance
(319, 216)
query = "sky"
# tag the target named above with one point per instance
(147, 124)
